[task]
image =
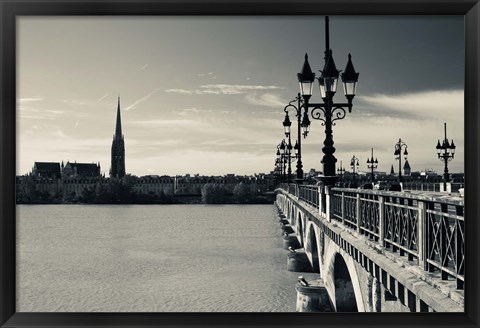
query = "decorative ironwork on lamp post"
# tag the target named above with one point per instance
(372, 164)
(302, 128)
(328, 111)
(354, 163)
(398, 156)
(445, 152)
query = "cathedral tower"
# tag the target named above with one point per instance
(117, 169)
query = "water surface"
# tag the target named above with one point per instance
(160, 258)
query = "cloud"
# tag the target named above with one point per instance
(209, 74)
(59, 134)
(193, 110)
(229, 89)
(168, 123)
(36, 117)
(180, 91)
(224, 89)
(27, 109)
(142, 68)
(266, 99)
(73, 101)
(28, 100)
(57, 112)
(25, 112)
(102, 98)
(139, 101)
(427, 104)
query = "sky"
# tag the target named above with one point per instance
(205, 94)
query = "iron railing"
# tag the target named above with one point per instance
(423, 186)
(428, 230)
(309, 194)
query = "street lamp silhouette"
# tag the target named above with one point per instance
(282, 148)
(302, 128)
(328, 111)
(278, 165)
(372, 164)
(445, 152)
(354, 163)
(288, 155)
(398, 156)
(341, 172)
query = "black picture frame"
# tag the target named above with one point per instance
(10, 9)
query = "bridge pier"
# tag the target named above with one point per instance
(290, 241)
(374, 295)
(298, 261)
(286, 228)
(283, 221)
(313, 298)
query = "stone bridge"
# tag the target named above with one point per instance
(374, 251)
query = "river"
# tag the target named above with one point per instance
(152, 258)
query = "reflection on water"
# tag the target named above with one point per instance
(158, 258)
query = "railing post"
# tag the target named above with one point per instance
(319, 196)
(422, 242)
(459, 245)
(410, 233)
(358, 212)
(328, 202)
(343, 207)
(381, 220)
(444, 226)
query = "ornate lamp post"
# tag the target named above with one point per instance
(398, 155)
(354, 163)
(278, 165)
(328, 111)
(372, 164)
(302, 125)
(341, 172)
(288, 156)
(445, 152)
(282, 147)
(279, 171)
(288, 149)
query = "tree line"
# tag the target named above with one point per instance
(121, 191)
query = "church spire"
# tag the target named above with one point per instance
(117, 169)
(118, 128)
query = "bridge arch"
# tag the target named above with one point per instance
(299, 228)
(344, 294)
(294, 216)
(311, 248)
(341, 279)
(290, 209)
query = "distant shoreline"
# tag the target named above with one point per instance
(174, 200)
